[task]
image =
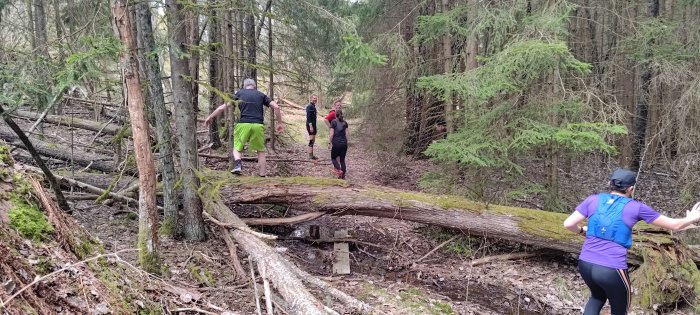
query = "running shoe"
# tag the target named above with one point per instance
(238, 168)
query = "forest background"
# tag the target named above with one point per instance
(515, 101)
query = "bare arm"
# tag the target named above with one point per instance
(215, 113)
(571, 223)
(330, 135)
(278, 112)
(691, 217)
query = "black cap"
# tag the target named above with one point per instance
(623, 178)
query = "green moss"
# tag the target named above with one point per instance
(167, 227)
(538, 222)
(403, 198)
(88, 247)
(132, 216)
(666, 277)
(5, 155)
(111, 278)
(21, 186)
(28, 220)
(297, 180)
(202, 275)
(43, 267)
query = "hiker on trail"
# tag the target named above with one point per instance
(339, 143)
(311, 124)
(337, 105)
(603, 259)
(250, 128)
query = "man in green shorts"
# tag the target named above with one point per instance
(251, 128)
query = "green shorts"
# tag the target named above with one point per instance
(251, 133)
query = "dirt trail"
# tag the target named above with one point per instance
(382, 275)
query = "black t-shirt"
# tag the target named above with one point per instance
(339, 128)
(311, 114)
(251, 105)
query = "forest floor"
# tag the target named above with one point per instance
(443, 282)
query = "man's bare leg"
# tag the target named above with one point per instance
(262, 164)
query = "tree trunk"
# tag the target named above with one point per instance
(192, 43)
(30, 22)
(148, 216)
(40, 28)
(526, 226)
(285, 277)
(642, 111)
(82, 158)
(251, 43)
(185, 121)
(162, 118)
(447, 69)
(271, 90)
(59, 30)
(104, 127)
(215, 78)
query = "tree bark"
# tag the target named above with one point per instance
(40, 28)
(148, 216)
(30, 22)
(162, 117)
(251, 43)
(192, 43)
(82, 158)
(186, 122)
(642, 110)
(105, 127)
(215, 70)
(271, 90)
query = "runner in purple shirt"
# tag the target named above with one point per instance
(603, 259)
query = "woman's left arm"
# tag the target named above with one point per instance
(571, 223)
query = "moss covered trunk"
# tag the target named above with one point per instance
(527, 226)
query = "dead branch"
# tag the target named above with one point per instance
(282, 221)
(88, 187)
(504, 257)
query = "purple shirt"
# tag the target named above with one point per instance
(608, 253)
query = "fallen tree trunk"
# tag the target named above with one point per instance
(105, 127)
(285, 278)
(79, 157)
(527, 226)
(95, 190)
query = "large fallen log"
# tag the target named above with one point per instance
(105, 127)
(79, 157)
(527, 226)
(285, 278)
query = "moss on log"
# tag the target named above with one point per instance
(673, 264)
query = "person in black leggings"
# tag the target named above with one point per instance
(603, 259)
(339, 143)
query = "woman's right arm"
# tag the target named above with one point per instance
(676, 224)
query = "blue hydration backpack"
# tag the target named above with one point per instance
(607, 223)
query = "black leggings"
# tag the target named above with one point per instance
(606, 284)
(339, 151)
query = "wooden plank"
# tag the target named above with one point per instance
(341, 254)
